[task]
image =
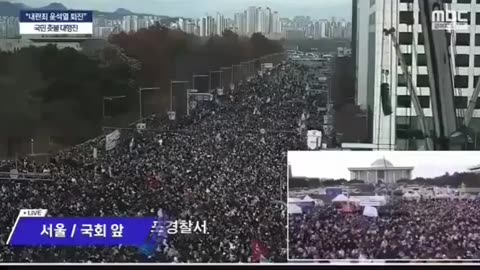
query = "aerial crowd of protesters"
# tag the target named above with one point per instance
(437, 229)
(225, 165)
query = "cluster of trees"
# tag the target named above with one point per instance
(167, 54)
(60, 91)
(324, 45)
(454, 180)
(316, 183)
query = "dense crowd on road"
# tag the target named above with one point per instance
(425, 229)
(226, 165)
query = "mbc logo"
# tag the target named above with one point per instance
(448, 19)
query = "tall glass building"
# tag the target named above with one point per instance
(379, 65)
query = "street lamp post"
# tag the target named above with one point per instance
(248, 69)
(189, 93)
(196, 76)
(31, 146)
(110, 98)
(253, 67)
(228, 68)
(103, 108)
(171, 91)
(140, 99)
(210, 74)
(209, 81)
(244, 69)
(238, 69)
(263, 59)
(188, 98)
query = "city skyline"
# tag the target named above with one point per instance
(253, 20)
(320, 9)
(265, 20)
(244, 18)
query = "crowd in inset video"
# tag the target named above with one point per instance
(225, 165)
(425, 229)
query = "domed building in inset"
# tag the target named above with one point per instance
(381, 170)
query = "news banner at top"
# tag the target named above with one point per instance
(54, 22)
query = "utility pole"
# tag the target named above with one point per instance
(171, 91)
(228, 68)
(110, 98)
(197, 76)
(216, 71)
(140, 101)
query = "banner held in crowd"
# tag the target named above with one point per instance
(111, 140)
(314, 139)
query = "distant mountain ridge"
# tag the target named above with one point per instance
(54, 6)
(123, 11)
(13, 10)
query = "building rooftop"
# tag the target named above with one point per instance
(382, 163)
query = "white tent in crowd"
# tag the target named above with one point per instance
(340, 198)
(308, 199)
(381, 199)
(442, 196)
(294, 209)
(354, 200)
(370, 211)
(368, 200)
(411, 195)
(294, 200)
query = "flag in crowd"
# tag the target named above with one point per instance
(259, 251)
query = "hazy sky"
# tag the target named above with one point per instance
(335, 164)
(316, 9)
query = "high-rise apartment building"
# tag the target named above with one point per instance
(134, 23)
(276, 25)
(220, 24)
(323, 28)
(9, 27)
(229, 24)
(182, 24)
(207, 26)
(240, 23)
(103, 31)
(251, 19)
(342, 29)
(197, 30)
(258, 20)
(265, 21)
(130, 23)
(203, 27)
(126, 24)
(190, 29)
